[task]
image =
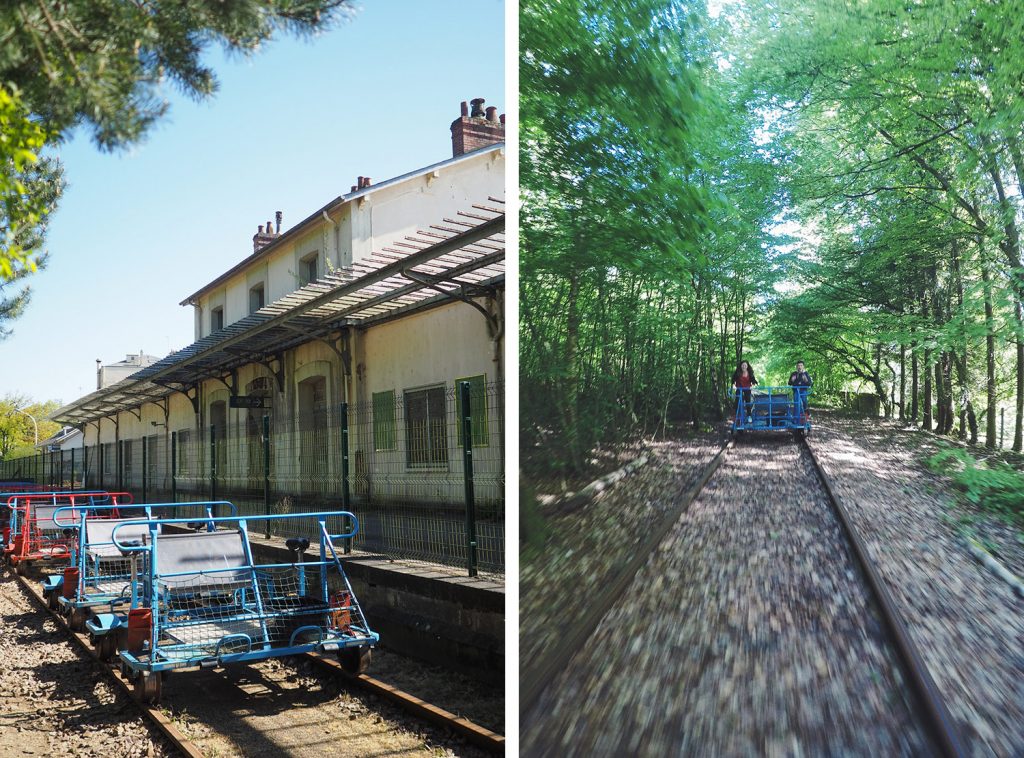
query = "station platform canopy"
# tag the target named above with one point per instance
(458, 258)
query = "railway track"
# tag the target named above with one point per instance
(929, 712)
(414, 706)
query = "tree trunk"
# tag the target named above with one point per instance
(571, 397)
(903, 382)
(915, 382)
(990, 360)
(1017, 426)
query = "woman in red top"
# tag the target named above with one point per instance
(743, 379)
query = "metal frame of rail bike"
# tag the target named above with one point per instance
(771, 409)
(99, 576)
(203, 601)
(9, 517)
(35, 537)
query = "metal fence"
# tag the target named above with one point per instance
(400, 462)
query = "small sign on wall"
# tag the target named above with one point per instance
(248, 401)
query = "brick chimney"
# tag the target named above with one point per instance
(266, 234)
(477, 128)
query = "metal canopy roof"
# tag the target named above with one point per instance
(460, 257)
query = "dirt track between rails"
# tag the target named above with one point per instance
(748, 632)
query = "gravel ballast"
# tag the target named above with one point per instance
(53, 699)
(748, 632)
(966, 621)
(585, 548)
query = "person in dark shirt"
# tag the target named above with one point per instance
(801, 382)
(743, 379)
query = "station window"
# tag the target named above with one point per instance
(216, 319)
(256, 298)
(184, 437)
(426, 436)
(477, 407)
(219, 422)
(384, 428)
(309, 268)
(314, 431)
(127, 470)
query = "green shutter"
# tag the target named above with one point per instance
(384, 437)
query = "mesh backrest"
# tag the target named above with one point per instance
(44, 517)
(100, 542)
(190, 554)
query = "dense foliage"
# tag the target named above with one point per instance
(899, 130)
(805, 179)
(645, 204)
(104, 64)
(18, 433)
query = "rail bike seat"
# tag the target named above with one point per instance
(99, 542)
(211, 560)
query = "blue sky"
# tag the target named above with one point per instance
(289, 129)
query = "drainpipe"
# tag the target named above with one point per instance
(337, 241)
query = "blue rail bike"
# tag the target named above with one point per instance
(94, 591)
(203, 600)
(783, 408)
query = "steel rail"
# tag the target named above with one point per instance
(471, 732)
(940, 725)
(533, 681)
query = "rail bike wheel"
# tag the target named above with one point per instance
(106, 646)
(77, 619)
(51, 600)
(22, 568)
(148, 687)
(355, 660)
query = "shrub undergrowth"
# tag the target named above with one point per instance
(996, 487)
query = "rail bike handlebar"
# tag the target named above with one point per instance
(136, 506)
(320, 516)
(12, 500)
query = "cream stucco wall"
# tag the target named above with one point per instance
(380, 218)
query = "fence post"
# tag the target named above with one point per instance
(467, 468)
(85, 465)
(72, 468)
(345, 496)
(145, 472)
(174, 469)
(213, 465)
(266, 473)
(120, 465)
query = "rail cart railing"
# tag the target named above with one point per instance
(771, 408)
(8, 519)
(34, 536)
(204, 601)
(99, 577)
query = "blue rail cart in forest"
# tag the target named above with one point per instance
(203, 600)
(771, 408)
(98, 579)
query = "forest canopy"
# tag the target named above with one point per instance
(838, 182)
